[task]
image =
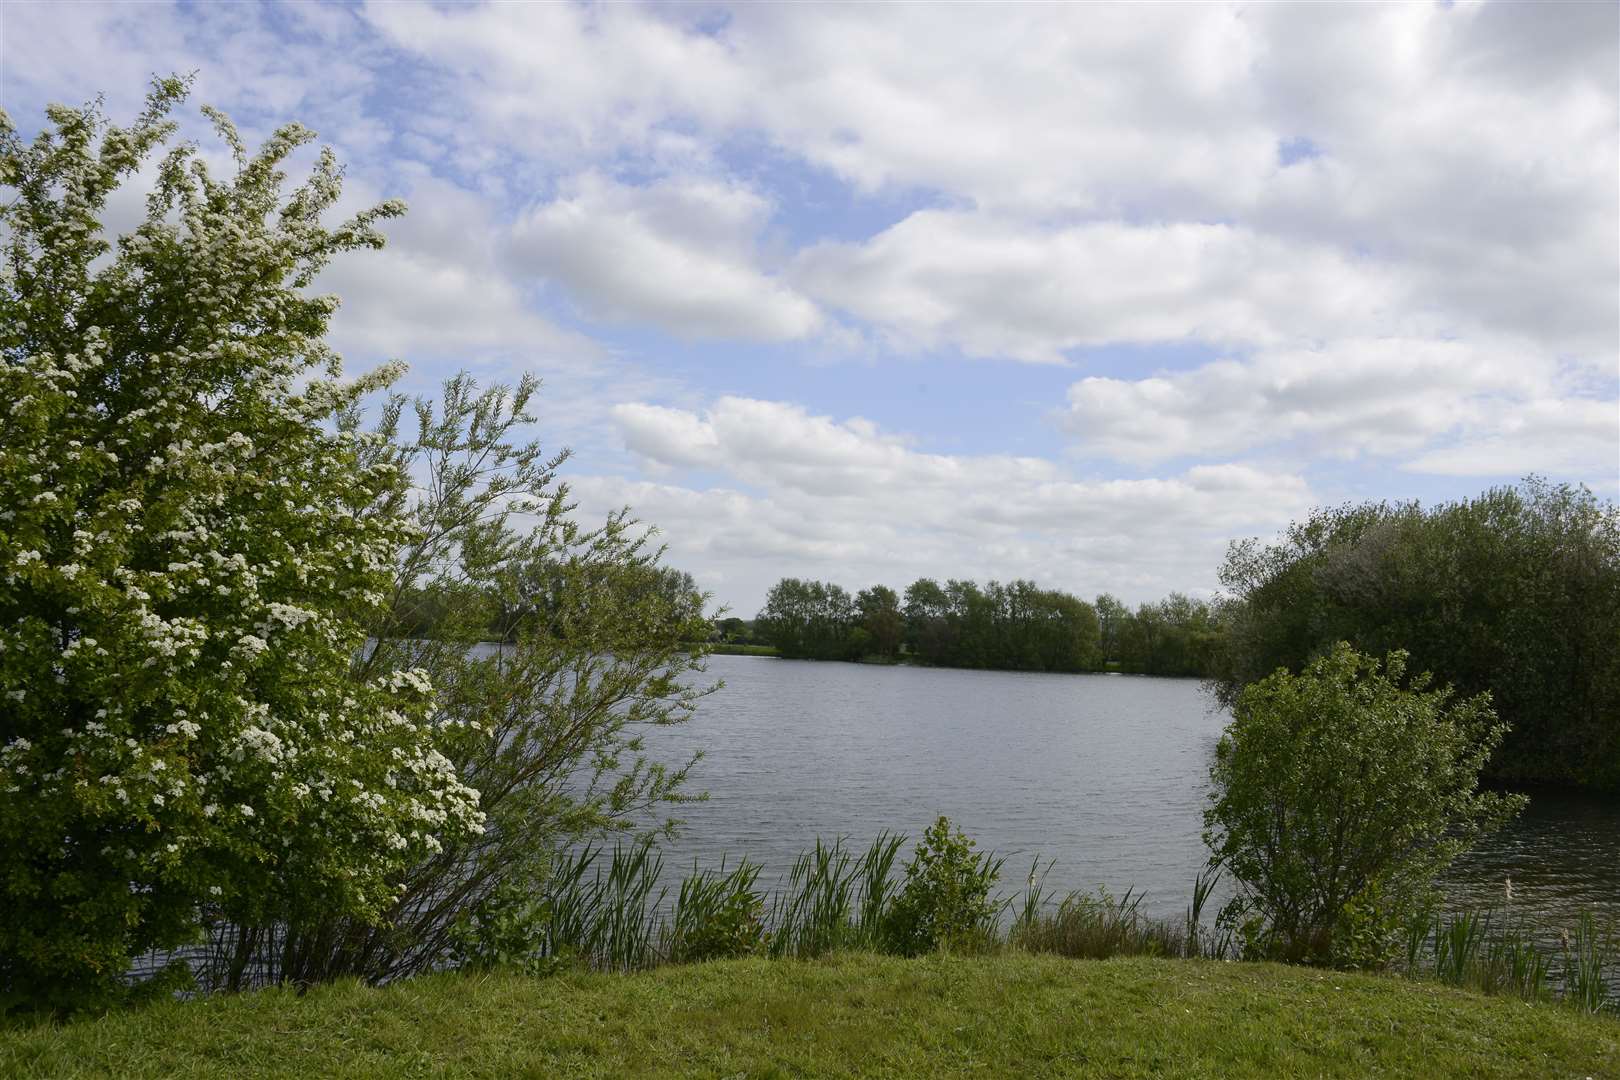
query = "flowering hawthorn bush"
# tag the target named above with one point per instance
(193, 530)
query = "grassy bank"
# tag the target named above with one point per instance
(728, 649)
(846, 1015)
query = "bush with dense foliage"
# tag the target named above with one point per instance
(194, 532)
(1339, 795)
(1516, 592)
(218, 722)
(945, 901)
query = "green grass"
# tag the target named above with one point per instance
(727, 649)
(849, 1014)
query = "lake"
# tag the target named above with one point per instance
(1106, 774)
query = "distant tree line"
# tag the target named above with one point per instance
(1016, 626)
(1515, 593)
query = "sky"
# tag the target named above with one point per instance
(869, 293)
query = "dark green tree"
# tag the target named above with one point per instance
(1111, 618)
(810, 620)
(881, 619)
(1515, 592)
(929, 632)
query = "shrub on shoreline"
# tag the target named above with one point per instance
(1339, 796)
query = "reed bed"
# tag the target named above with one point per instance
(608, 910)
(1495, 954)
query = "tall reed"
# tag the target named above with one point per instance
(878, 889)
(610, 920)
(1032, 901)
(717, 914)
(814, 913)
(1198, 944)
(1585, 957)
(1471, 948)
(1457, 940)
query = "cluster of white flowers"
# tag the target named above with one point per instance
(250, 647)
(184, 728)
(12, 753)
(266, 745)
(78, 643)
(409, 678)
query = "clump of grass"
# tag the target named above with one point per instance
(1033, 900)
(878, 889)
(609, 921)
(1198, 942)
(1510, 963)
(1416, 931)
(832, 900)
(603, 911)
(717, 915)
(1456, 945)
(1097, 926)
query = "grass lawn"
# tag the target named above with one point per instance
(849, 1015)
(744, 650)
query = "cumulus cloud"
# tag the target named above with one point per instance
(438, 288)
(1448, 407)
(1552, 436)
(999, 287)
(1463, 163)
(678, 255)
(568, 83)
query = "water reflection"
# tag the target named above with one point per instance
(1562, 856)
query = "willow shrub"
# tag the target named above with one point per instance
(194, 534)
(1339, 796)
(553, 648)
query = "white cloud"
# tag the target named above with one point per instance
(678, 254)
(1469, 153)
(567, 83)
(1498, 409)
(1551, 436)
(1000, 287)
(1357, 395)
(438, 289)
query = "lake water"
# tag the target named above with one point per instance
(1106, 774)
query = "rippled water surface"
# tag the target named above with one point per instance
(1106, 774)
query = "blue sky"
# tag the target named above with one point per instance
(868, 293)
